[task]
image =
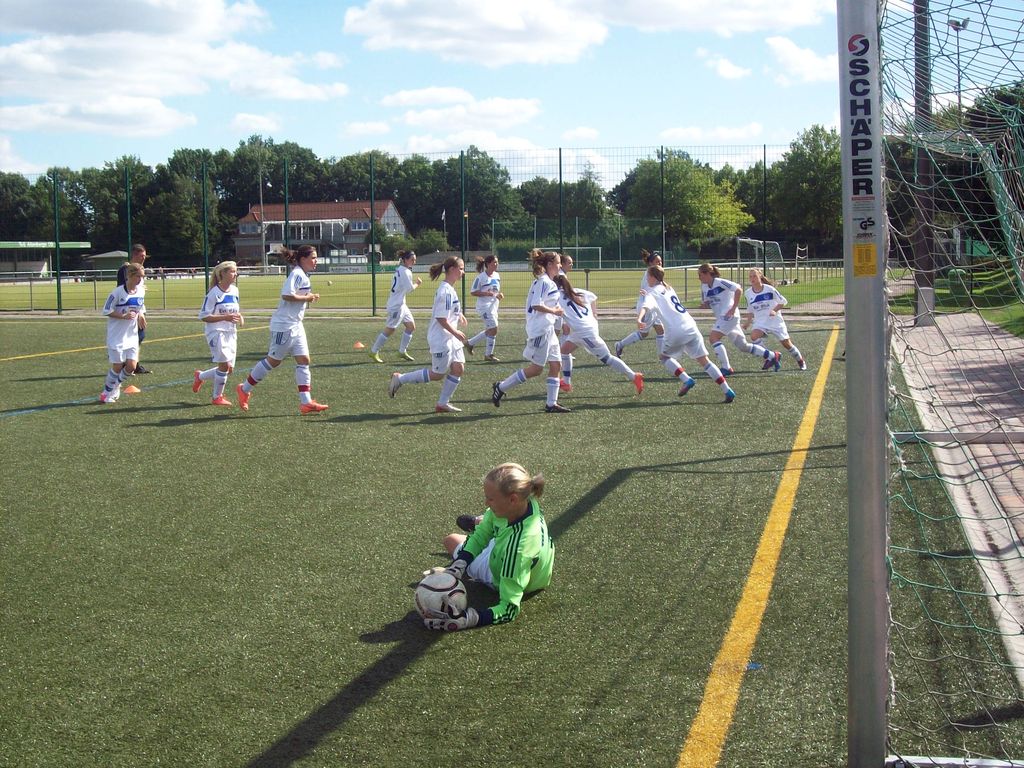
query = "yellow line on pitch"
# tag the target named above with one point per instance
(704, 743)
(93, 349)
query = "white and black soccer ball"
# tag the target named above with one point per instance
(442, 593)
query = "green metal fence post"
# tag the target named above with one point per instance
(56, 234)
(465, 217)
(287, 225)
(206, 228)
(128, 204)
(373, 243)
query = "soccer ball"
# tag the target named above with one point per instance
(441, 593)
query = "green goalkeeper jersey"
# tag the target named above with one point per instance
(521, 561)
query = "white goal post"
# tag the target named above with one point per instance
(590, 255)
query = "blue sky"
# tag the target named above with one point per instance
(83, 82)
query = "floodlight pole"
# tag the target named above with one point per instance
(263, 226)
(958, 27)
(865, 249)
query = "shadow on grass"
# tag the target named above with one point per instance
(413, 640)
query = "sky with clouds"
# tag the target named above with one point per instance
(84, 83)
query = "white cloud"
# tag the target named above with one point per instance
(198, 20)
(582, 133)
(692, 134)
(558, 31)
(122, 75)
(369, 128)
(486, 114)
(802, 65)
(247, 124)
(427, 97)
(722, 66)
(120, 116)
(486, 33)
(12, 162)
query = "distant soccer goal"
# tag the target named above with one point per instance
(583, 256)
(766, 255)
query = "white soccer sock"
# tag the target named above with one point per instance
(723, 355)
(379, 342)
(220, 381)
(448, 388)
(795, 353)
(659, 342)
(567, 367)
(618, 364)
(674, 367)
(478, 338)
(490, 346)
(256, 375)
(112, 382)
(421, 376)
(552, 390)
(513, 380)
(633, 338)
(715, 373)
(208, 374)
(303, 379)
(406, 338)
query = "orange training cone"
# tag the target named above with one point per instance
(131, 389)
(359, 345)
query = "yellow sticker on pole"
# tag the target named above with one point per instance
(865, 260)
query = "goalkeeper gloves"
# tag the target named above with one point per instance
(469, 619)
(458, 569)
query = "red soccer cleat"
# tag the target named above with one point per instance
(197, 383)
(312, 407)
(222, 401)
(243, 398)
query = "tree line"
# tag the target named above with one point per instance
(797, 197)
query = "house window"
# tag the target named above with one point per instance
(360, 226)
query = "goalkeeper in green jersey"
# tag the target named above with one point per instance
(509, 550)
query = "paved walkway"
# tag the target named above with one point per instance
(966, 377)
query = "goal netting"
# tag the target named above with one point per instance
(764, 254)
(952, 91)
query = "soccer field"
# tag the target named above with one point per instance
(192, 586)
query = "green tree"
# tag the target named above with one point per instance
(807, 194)
(430, 240)
(489, 196)
(696, 209)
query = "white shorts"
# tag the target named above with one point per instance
(595, 345)
(398, 317)
(223, 346)
(776, 326)
(689, 343)
(441, 359)
(543, 349)
(116, 355)
(288, 343)
(650, 319)
(726, 326)
(490, 317)
(480, 568)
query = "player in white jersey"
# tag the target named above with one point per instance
(402, 284)
(682, 336)
(541, 342)
(579, 324)
(287, 334)
(722, 297)
(221, 316)
(447, 359)
(764, 309)
(650, 260)
(125, 309)
(487, 289)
